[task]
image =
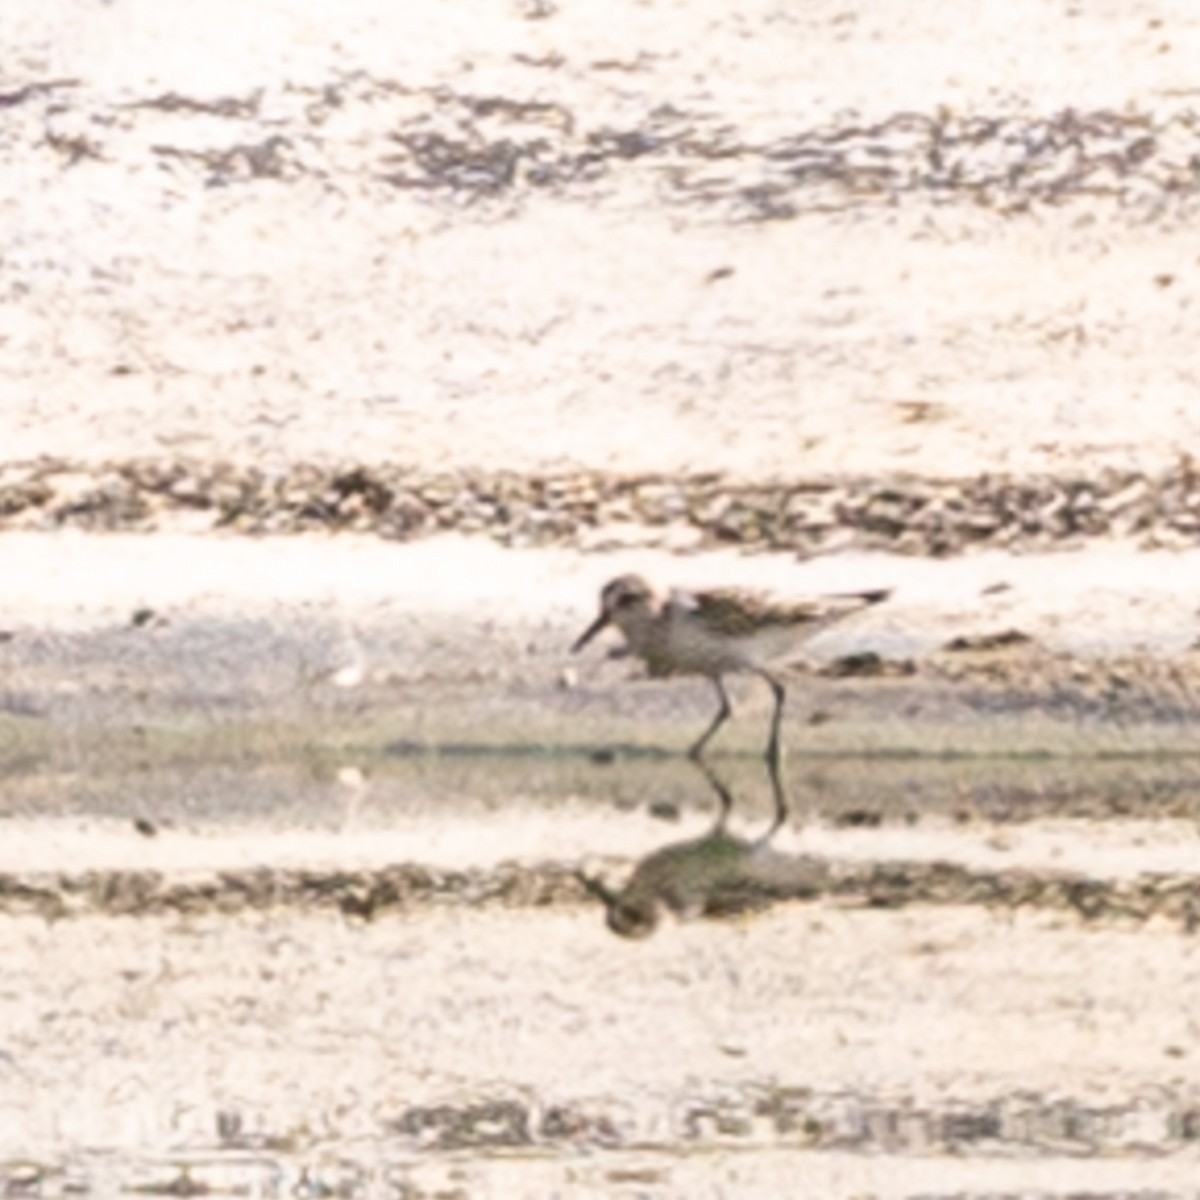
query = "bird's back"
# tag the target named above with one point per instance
(725, 629)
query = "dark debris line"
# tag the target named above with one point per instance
(807, 516)
(465, 148)
(375, 894)
(846, 1122)
(250, 1159)
(471, 148)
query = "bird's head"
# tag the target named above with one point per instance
(625, 602)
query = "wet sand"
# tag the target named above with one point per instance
(478, 1036)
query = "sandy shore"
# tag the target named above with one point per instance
(276, 244)
(75, 582)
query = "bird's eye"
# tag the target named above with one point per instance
(626, 600)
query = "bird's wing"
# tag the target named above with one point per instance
(731, 611)
(740, 613)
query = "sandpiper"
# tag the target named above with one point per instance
(714, 633)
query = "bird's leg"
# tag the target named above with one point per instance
(776, 718)
(781, 804)
(724, 799)
(717, 721)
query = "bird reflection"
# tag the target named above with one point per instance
(717, 875)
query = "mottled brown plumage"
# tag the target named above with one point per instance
(739, 613)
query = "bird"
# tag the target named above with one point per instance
(718, 632)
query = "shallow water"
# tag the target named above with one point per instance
(253, 960)
(279, 766)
